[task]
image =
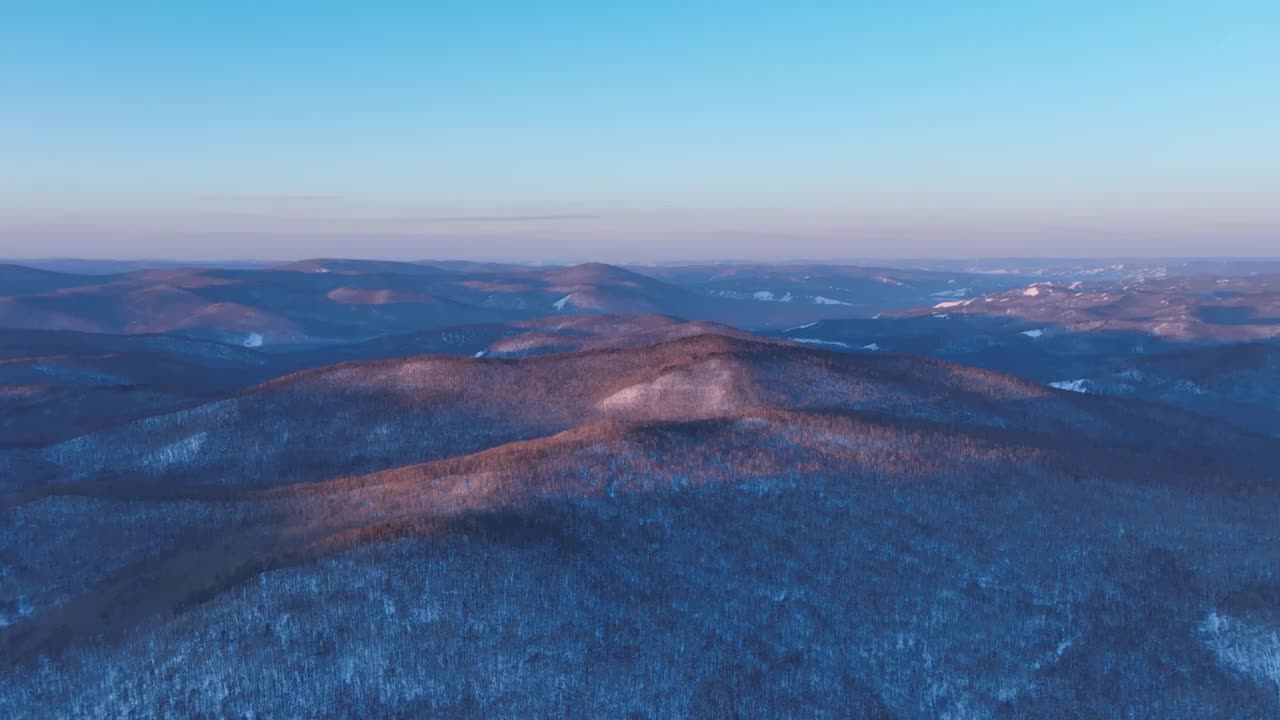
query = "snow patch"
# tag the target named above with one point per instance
(1032, 291)
(768, 296)
(817, 341)
(871, 346)
(802, 327)
(176, 453)
(24, 610)
(1249, 648)
(1033, 333)
(708, 389)
(957, 293)
(1080, 386)
(559, 304)
(951, 303)
(1191, 387)
(479, 354)
(253, 340)
(819, 300)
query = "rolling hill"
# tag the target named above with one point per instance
(544, 509)
(841, 290)
(1197, 309)
(707, 527)
(335, 301)
(357, 417)
(55, 385)
(1234, 382)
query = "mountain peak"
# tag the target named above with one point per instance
(595, 272)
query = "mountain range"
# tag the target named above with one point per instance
(613, 509)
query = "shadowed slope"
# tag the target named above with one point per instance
(557, 497)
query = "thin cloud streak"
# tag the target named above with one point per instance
(498, 218)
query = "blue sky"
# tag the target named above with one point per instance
(633, 131)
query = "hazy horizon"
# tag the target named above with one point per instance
(891, 262)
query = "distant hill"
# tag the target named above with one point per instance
(359, 267)
(329, 301)
(850, 290)
(1234, 382)
(1230, 309)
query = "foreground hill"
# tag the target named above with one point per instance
(359, 417)
(710, 527)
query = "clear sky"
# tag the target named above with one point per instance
(583, 129)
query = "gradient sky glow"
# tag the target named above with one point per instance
(639, 130)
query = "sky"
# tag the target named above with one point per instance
(637, 131)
